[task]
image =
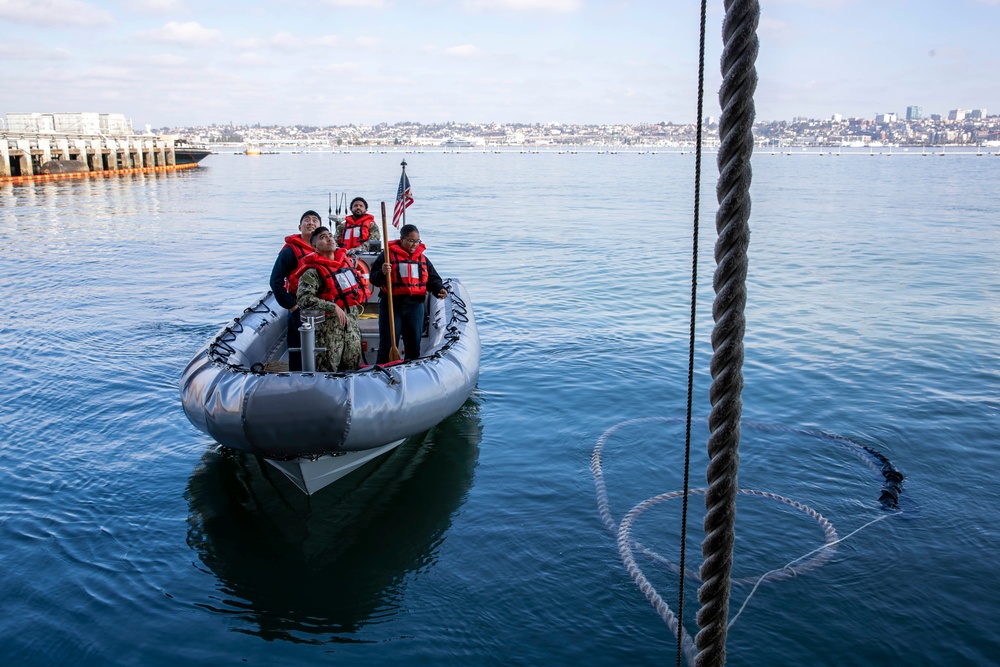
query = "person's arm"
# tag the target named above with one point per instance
(434, 283)
(283, 267)
(338, 234)
(373, 232)
(308, 299)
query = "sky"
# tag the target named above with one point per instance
(179, 63)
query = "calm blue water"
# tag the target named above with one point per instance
(874, 315)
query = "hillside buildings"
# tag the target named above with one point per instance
(959, 126)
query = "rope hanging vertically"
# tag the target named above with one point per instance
(739, 80)
(691, 327)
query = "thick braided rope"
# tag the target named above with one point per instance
(733, 192)
(685, 642)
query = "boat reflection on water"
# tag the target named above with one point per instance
(313, 569)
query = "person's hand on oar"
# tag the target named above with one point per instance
(387, 270)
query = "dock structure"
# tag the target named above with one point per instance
(50, 146)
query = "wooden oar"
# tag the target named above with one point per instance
(393, 351)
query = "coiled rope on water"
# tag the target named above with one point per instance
(627, 546)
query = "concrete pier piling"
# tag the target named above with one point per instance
(49, 146)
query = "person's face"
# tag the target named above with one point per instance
(358, 209)
(410, 242)
(324, 242)
(308, 225)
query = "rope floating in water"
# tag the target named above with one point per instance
(812, 560)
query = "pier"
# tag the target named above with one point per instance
(76, 145)
(27, 156)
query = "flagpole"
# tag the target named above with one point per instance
(403, 180)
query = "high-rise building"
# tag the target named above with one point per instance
(978, 114)
(914, 113)
(957, 114)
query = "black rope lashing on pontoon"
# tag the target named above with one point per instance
(739, 80)
(219, 349)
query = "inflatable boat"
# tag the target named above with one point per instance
(317, 427)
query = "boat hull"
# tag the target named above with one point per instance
(187, 155)
(311, 475)
(227, 393)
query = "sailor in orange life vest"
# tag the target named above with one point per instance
(331, 281)
(357, 228)
(296, 247)
(412, 277)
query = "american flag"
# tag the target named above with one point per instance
(404, 197)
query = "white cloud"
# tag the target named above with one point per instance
(773, 25)
(326, 40)
(54, 13)
(364, 4)
(524, 5)
(154, 6)
(285, 41)
(253, 60)
(463, 51)
(21, 50)
(163, 60)
(826, 5)
(367, 42)
(190, 33)
(338, 68)
(288, 42)
(248, 43)
(112, 73)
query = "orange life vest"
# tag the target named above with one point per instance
(300, 249)
(298, 246)
(409, 271)
(345, 282)
(357, 231)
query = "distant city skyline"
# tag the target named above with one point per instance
(334, 62)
